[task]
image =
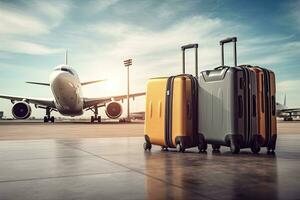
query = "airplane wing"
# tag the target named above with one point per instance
(48, 84)
(91, 82)
(290, 110)
(38, 83)
(36, 101)
(89, 102)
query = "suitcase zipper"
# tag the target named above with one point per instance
(169, 109)
(168, 112)
(249, 108)
(194, 105)
(247, 117)
(268, 113)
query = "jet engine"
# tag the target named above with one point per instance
(113, 110)
(21, 110)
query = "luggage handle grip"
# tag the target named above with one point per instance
(227, 40)
(220, 68)
(190, 46)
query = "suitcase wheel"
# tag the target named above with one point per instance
(147, 146)
(164, 148)
(272, 145)
(180, 148)
(255, 148)
(234, 147)
(216, 147)
(270, 151)
(202, 147)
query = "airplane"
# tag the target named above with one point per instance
(286, 113)
(68, 100)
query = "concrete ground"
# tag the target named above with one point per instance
(24, 130)
(107, 161)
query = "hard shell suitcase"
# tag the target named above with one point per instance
(267, 123)
(252, 138)
(261, 114)
(227, 105)
(171, 111)
(271, 143)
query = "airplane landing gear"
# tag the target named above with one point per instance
(95, 117)
(48, 117)
(289, 118)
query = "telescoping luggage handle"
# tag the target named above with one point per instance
(190, 46)
(227, 40)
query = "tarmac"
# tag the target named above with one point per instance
(70, 160)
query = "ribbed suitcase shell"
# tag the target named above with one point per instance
(269, 92)
(251, 133)
(182, 127)
(260, 103)
(272, 141)
(267, 123)
(221, 105)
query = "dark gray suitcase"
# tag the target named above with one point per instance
(227, 105)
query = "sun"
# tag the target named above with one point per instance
(115, 85)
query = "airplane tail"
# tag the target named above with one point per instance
(284, 102)
(66, 57)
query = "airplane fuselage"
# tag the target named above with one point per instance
(66, 88)
(279, 109)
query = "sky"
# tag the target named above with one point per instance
(99, 35)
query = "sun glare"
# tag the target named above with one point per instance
(114, 85)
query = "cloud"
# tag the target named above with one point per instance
(20, 27)
(157, 51)
(27, 48)
(295, 14)
(53, 12)
(21, 20)
(99, 5)
(162, 47)
(137, 40)
(13, 22)
(276, 51)
(288, 86)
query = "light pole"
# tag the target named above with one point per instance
(128, 63)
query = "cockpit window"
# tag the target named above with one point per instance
(65, 70)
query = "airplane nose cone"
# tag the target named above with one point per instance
(62, 81)
(57, 78)
(64, 89)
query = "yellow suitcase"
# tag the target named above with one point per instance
(171, 113)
